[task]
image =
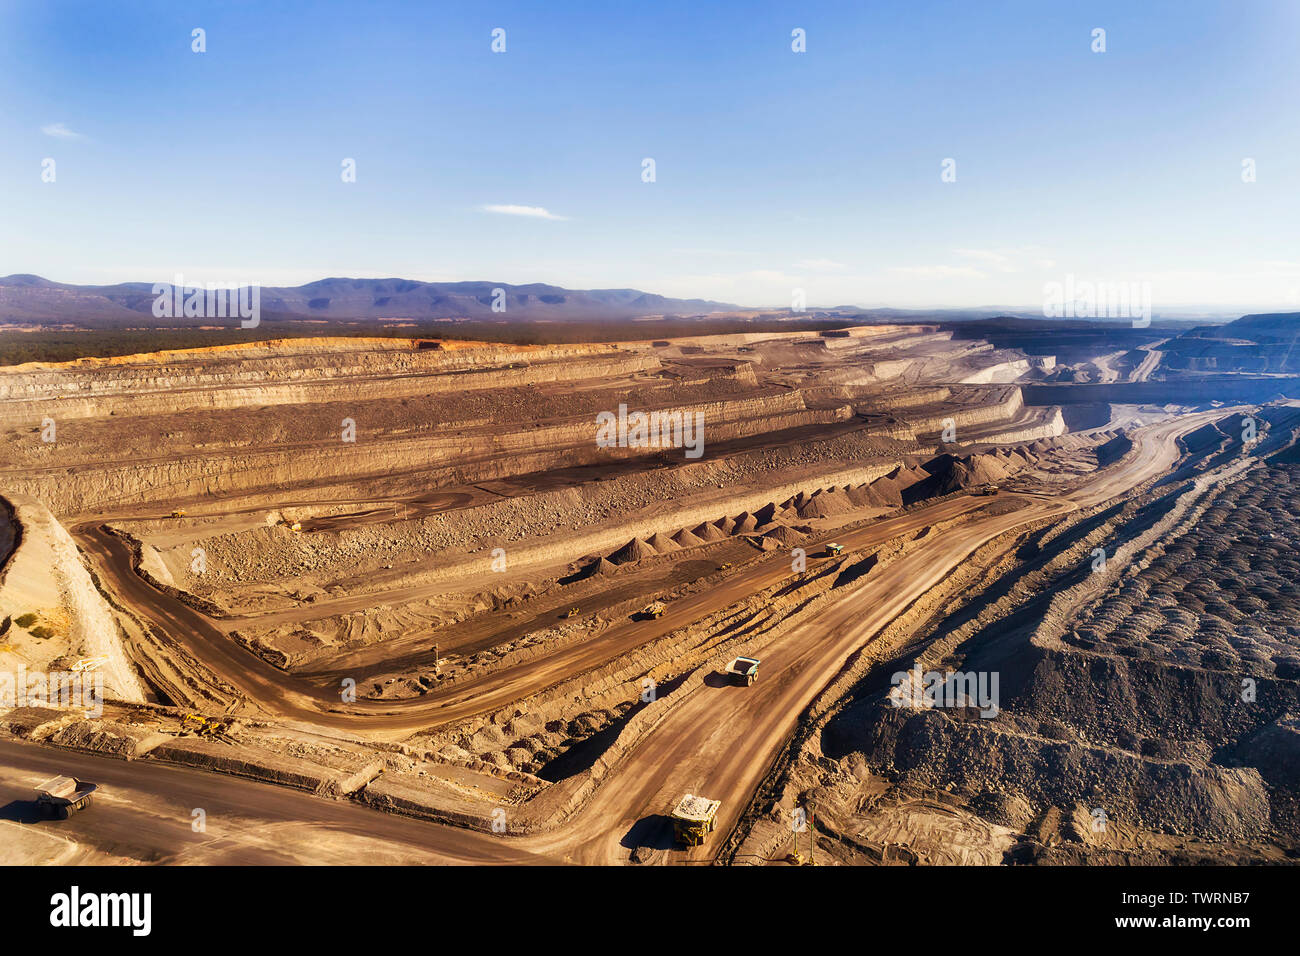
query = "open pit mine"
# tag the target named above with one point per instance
(886, 594)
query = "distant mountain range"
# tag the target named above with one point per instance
(29, 299)
(1263, 327)
(33, 300)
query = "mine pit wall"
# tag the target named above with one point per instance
(10, 534)
(256, 763)
(1086, 415)
(457, 458)
(665, 522)
(886, 370)
(1210, 355)
(440, 461)
(292, 361)
(705, 503)
(912, 347)
(45, 575)
(854, 334)
(886, 366)
(870, 399)
(885, 343)
(905, 398)
(147, 562)
(1001, 372)
(1049, 425)
(883, 332)
(168, 396)
(925, 409)
(1008, 407)
(567, 546)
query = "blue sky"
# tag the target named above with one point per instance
(775, 170)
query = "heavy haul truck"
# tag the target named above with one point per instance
(743, 671)
(694, 819)
(63, 796)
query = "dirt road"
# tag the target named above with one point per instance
(144, 813)
(1150, 362)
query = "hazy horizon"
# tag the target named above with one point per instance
(1188, 312)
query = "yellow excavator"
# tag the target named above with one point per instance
(203, 726)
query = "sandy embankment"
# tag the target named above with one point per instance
(45, 577)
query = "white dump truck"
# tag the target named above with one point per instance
(63, 796)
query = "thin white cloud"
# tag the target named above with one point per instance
(534, 212)
(768, 275)
(937, 272)
(990, 257)
(706, 251)
(1009, 260)
(60, 131)
(820, 265)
